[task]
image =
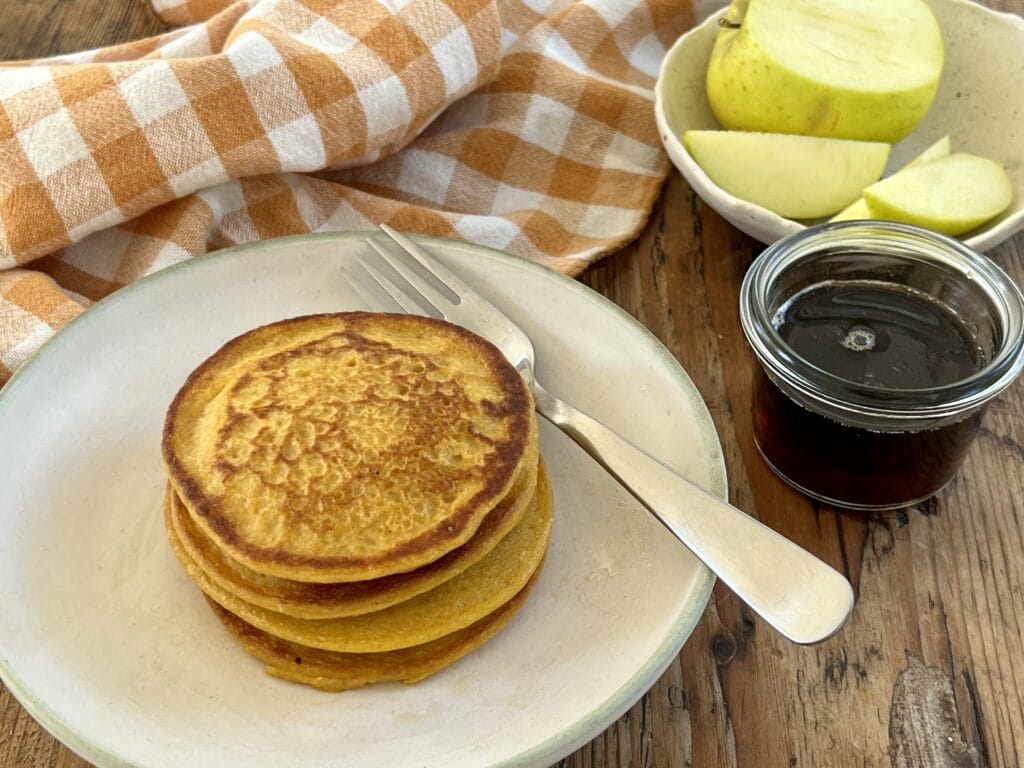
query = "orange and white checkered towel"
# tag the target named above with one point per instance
(525, 125)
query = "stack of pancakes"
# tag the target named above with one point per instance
(360, 496)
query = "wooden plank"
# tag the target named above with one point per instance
(923, 674)
(32, 29)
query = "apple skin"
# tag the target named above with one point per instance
(750, 89)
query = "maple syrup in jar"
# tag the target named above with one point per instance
(879, 345)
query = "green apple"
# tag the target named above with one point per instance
(953, 194)
(859, 209)
(801, 177)
(940, 148)
(851, 69)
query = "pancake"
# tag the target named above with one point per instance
(347, 447)
(325, 601)
(331, 671)
(453, 605)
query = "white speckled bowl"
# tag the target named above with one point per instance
(980, 104)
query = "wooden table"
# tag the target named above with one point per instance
(928, 671)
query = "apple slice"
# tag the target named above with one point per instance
(860, 210)
(953, 194)
(940, 148)
(850, 69)
(801, 177)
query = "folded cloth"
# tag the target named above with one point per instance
(523, 125)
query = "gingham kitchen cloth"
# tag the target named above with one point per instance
(523, 125)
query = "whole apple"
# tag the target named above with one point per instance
(850, 69)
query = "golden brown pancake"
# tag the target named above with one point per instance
(453, 605)
(309, 600)
(332, 671)
(347, 447)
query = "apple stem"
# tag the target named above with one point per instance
(724, 22)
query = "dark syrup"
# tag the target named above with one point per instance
(883, 336)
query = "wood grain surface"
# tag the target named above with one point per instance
(926, 673)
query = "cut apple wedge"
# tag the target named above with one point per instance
(800, 177)
(940, 148)
(860, 209)
(953, 194)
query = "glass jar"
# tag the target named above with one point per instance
(849, 437)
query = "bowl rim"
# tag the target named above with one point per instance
(760, 221)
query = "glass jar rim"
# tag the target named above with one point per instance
(914, 244)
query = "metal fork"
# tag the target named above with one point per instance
(803, 598)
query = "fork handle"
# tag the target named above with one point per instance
(802, 597)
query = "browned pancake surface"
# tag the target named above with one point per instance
(333, 671)
(347, 447)
(310, 600)
(450, 606)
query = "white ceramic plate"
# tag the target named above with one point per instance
(108, 644)
(979, 104)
